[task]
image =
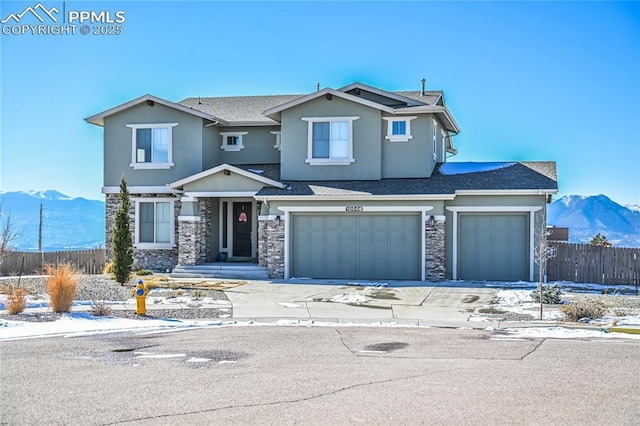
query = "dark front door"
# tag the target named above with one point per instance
(242, 229)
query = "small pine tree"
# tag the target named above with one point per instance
(600, 240)
(122, 245)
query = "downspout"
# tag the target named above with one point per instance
(204, 142)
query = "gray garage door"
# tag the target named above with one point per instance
(356, 246)
(493, 247)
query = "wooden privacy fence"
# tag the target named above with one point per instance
(87, 261)
(584, 263)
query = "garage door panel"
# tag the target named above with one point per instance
(493, 247)
(356, 246)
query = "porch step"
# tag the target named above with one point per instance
(234, 270)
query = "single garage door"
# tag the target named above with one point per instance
(493, 247)
(363, 246)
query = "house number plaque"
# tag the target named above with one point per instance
(354, 208)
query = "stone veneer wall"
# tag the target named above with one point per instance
(157, 260)
(434, 251)
(194, 236)
(271, 246)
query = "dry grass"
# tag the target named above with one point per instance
(62, 285)
(108, 268)
(100, 309)
(16, 299)
(585, 308)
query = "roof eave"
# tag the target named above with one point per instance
(538, 191)
(98, 119)
(391, 95)
(359, 197)
(442, 112)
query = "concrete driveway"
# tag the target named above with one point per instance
(407, 302)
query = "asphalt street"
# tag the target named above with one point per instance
(318, 375)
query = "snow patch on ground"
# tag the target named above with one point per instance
(520, 302)
(558, 333)
(350, 298)
(290, 305)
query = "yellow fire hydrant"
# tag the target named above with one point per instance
(141, 292)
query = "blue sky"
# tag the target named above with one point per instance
(525, 80)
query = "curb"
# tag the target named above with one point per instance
(628, 329)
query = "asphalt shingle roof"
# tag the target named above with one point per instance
(430, 96)
(250, 108)
(514, 176)
(239, 108)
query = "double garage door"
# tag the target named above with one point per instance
(493, 247)
(356, 246)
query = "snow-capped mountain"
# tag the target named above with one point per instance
(67, 223)
(587, 216)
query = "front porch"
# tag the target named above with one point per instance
(218, 218)
(217, 229)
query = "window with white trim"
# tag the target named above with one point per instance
(435, 132)
(330, 140)
(278, 134)
(398, 129)
(154, 223)
(232, 141)
(151, 145)
(443, 134)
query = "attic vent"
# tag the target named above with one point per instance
(329, 96)
(317, 86)
(422, 82)
(150, 102)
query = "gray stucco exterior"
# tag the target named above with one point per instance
(258, 145)
(367, 138)
(186, 143)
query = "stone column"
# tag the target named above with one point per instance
(434, 249)
(271, 245)
(205, 209)
(189, 238)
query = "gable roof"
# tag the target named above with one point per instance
(511, 178)
(275, 111)
(265, 109)
(441, 111)
(246, 173)
(98, 119)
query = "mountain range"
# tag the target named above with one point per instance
(587, 216)
(67, 223)
(77, 223)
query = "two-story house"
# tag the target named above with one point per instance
(347, 183)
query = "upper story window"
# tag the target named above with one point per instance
(278, 144)
(435, 132)
(399, 129)
(154, 223)
(232, 141)
(330, 140)
(443, 148)
(151, 145)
